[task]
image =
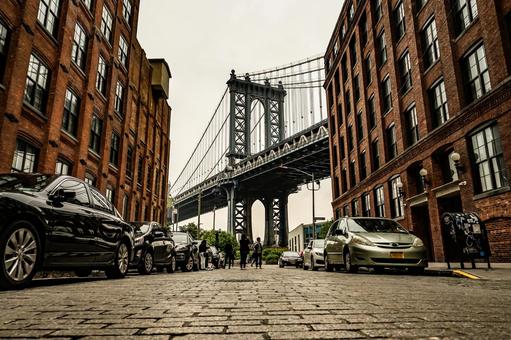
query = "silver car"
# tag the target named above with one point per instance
(372, 242)
(313, 257)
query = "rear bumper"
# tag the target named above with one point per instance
(386, 257)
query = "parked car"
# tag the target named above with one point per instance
(290, 258)
(58, 222)
(154, 248)
(313, 255)
(372, 242)
(187, 252)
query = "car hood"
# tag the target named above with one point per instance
(388, 237)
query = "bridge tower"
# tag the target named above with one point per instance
(243, 94)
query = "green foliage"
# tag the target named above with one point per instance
(324, 229)
(190, 228)
(272, 252)
(272, 258)
(224, 238)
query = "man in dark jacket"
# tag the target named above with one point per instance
(229, 255)
(244, 250)
(203, 252)
(258, 253)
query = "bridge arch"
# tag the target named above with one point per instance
(257, 138)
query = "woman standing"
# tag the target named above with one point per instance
(244, 249)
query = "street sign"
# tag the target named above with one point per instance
(319, 219)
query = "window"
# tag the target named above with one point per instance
(351, 14)
(412, 126)
(351, 143)
(123, 51)
(71, 112)
(362, 167)
(386, 95)
(488, 160)
(405, 72)
(353, 176)
(106, 24)
(372, 112)
(125, 207)
(466, 12)
(81, 196)
(382, 49)
(336, 48)
(101, 76)
(140, 170)
(343, 31)
(129, 162)
(341, 147)
(88, 4)
(114, 149)
(399, 21)
(339, 115)
(379, 202)
(367, 70)
(391, 142)
(48, 15)
(4, 44)
(430, 44)
(363, 30)
(150, 178)
(354, 207)
(378, 10)
(95, 134)
(37, 86)
(157, 183)
(438, 102)
(25, 157)
(476, 74)
(110, 194)
(347, 102)
(126, 10)
(119, 98)
(346, 210)
(360, 126)
(375, 155)
(337, 84)
(397, 207)
(366, 204)
(90, 179)
(356, 88)
(353, 52)
(79, 49)
(344, 179)
(420, 4)
(137, 211)
(63, 167)
(344, 68)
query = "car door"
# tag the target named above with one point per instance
(329, 238)
(158, 243)
(71, 240)
(339, 242)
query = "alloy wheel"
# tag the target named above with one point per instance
(123, 258)
(189, 264)
(20, 254)
(312, 263)
(172, 266)
(148, 262)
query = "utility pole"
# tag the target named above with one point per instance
(214, 217)
(313, 209)
(198, 214)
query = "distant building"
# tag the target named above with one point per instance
(300, 236)
(78, 96)
(419, 100)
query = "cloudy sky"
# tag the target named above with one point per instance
(202, 40)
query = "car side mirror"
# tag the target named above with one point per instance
(339, 232)
(62, 195)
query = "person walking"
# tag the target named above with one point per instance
(229, 255)
(244, 250)
(203, 248)
(258, 253)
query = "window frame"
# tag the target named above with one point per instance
(399, 20)
(23, 146)
(79, 47)
(412, 125)
(405, 72)
(396, 200)
(71, 114)
(462, 22)
(391, 141)
(386, 91)
(115, 147)
(5, 39)
(440, 112)
(379, 201)
(35, 94)
(43, 16)
(483, 85)
(431, 46)
(96, 134)
(107, 23)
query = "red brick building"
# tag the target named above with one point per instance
(78, 96)
(419, 99)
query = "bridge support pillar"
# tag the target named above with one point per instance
(283, 222)
(269, 238)
(276, 217)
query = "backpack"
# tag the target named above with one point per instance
(258, 248)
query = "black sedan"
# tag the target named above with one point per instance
(290, 258)
(154, 248)
(58, 222)
(187, 253)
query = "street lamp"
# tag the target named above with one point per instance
(313, 189)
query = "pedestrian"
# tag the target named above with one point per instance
(203, 248)
(229, 255)
(244, 250)
(258, 253)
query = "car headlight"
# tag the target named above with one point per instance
(418, 242)
(362, 241)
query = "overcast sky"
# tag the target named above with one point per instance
(202, 40)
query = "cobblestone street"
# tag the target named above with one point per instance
(270, 303)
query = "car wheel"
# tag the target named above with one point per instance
(121, 262)
(83, 272)
(281, 265)
(328, 266)
(171, 268)
(350, 268)
(188, 266)
(146, 265)
(20, 248)
(305, 267)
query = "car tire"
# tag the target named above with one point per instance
(188, 265)
(83, 272)
(171, 268)
(350, 268)
(305, 267)
(16, 273)
(146, 265)
(281, 265)
(121, 262)
(328, 266)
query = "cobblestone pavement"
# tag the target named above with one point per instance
(271, 303)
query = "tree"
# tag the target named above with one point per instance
(324, 229)
(223, 238)
(190, 228)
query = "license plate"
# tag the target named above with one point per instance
(397, 255)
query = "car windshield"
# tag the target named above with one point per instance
(25, 182)
(180, 237)
(370, 225)
(141, 228)
(319, 243)
(290, 254)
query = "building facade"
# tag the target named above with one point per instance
(419, 96)
(78, 96)
(300, 236)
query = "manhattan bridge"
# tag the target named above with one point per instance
(268, 135)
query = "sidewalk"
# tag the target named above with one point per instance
(498, 271)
